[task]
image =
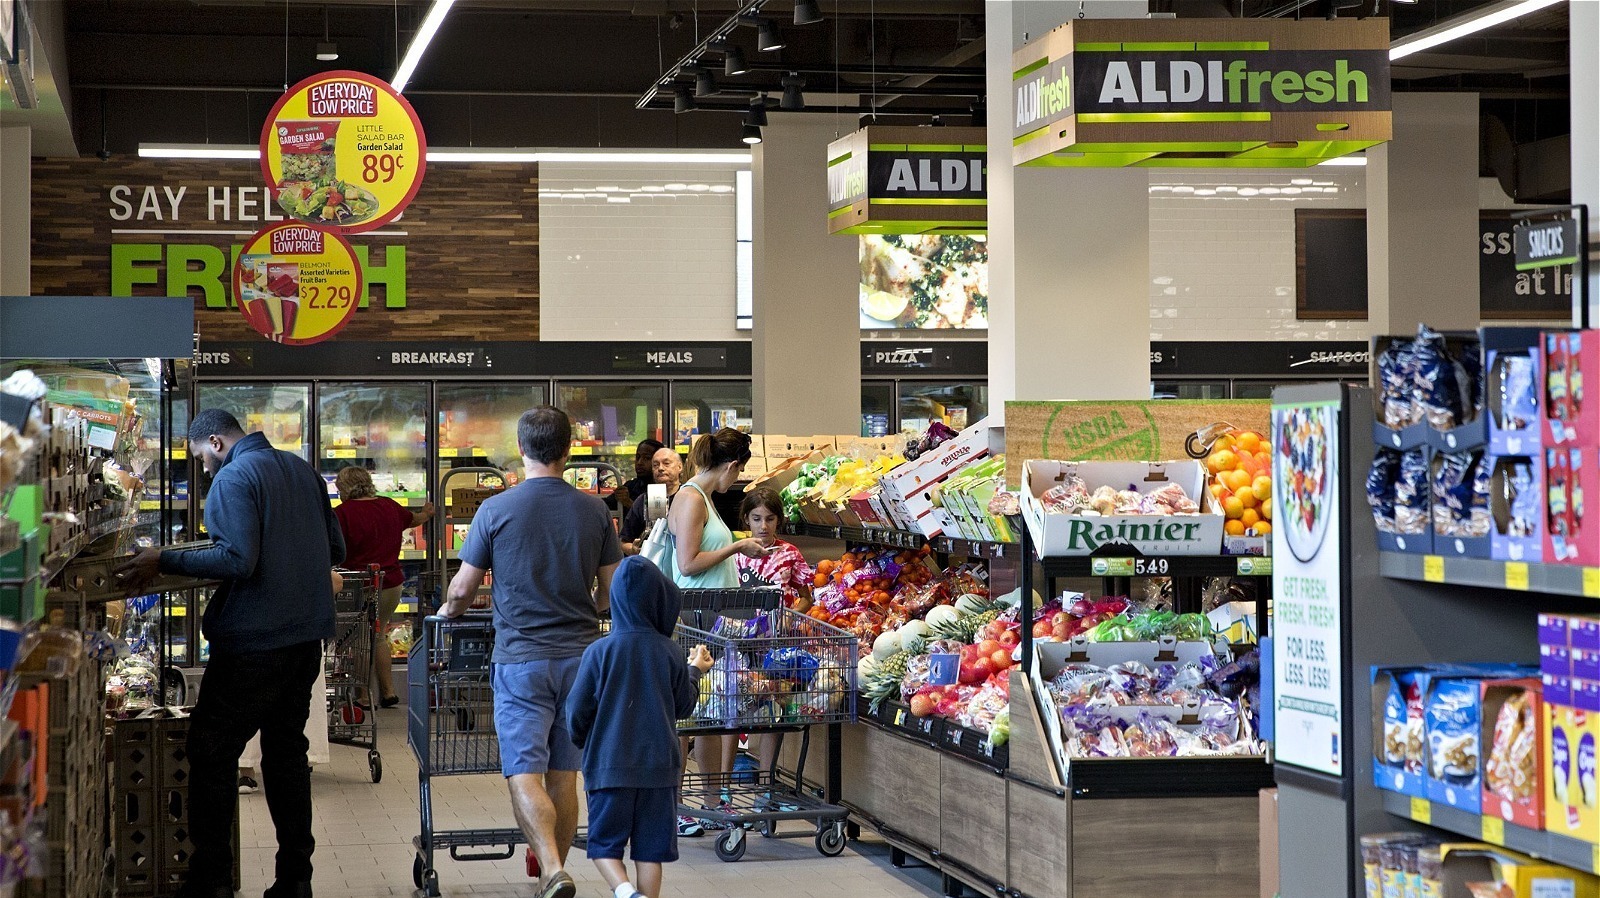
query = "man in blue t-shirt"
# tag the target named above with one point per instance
(547, 544)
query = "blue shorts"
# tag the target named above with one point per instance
(645, 818)
(530, 716)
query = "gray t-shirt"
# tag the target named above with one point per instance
(545, 541)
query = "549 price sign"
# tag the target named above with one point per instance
(342, 151)
(296, 284)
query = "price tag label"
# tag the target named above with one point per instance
(1591, 582)
(1421, 810)
(1111, 567)
(1150, 566)
(179, 453)
(447, 452)
(1254, 567)
(1494, 830)
(1517, 575)
(341, 453)
(180, 611)
(899, 717)
(1433, 568)
(582, 450)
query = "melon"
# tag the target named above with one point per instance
(866, 668)
(972, 604)
(942, 616)
(887, 644)
(917, 629)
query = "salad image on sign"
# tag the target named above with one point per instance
(1304, 477)
(343, 151)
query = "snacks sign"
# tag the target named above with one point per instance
(1214, 93)
(342, 151)
(297, 285)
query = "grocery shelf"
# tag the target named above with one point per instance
(902, 539)
(1169, 777)
(1564, 850)
(413, 554)
(1157, 566)
(1557, 579)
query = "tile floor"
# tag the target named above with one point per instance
(364, 834)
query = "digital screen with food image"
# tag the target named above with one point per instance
(931, 281)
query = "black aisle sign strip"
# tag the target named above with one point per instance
(1264, 358)
(335, 359)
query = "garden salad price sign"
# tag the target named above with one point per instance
(1307, 626)
(297, 285)
(342, 151)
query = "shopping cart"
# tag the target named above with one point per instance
(777, 672)
(350, 660)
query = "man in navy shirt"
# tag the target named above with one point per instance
(274, 542)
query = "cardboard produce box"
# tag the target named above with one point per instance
(783, 472)
(1064, 534)
(908, 489)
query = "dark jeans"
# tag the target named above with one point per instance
(243, 692)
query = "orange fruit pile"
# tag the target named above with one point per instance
(1241, 481)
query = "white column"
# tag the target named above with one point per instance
(1422, 216)
(16, 209)
(807, 337)
(1583, 42)
(1069, 249)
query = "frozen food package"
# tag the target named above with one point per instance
(1411, 493)
(1381, 478)
(1519, 398)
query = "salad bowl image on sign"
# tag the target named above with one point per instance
(343, 151)
(296, 284)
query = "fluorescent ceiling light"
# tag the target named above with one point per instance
(463, 154)
(1487, 16)
(1346, 160)
(419, 44)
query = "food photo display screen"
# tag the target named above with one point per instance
(924, 281)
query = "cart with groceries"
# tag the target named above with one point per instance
(350, 663)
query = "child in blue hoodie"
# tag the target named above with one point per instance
(631, 690)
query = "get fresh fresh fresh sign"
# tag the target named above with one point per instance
(1234, 92)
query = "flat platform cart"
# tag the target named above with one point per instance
(784, 673)
(350, 660)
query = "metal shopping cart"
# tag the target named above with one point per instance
(350, 660)
(777, 672)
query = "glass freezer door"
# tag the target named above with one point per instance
(957, 405)
(709, 406)
(478, 424)
(281, 411)
(382, 427)
(877, 408)
(608, 422)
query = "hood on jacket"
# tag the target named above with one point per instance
(642, 598)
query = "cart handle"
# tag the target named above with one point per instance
(456, 855)
(466, 616)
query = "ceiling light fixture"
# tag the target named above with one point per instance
(751, 134)
(758, 111)
(682, 101)
(327, 50)
(806, 12)
(419, 44)
(794, 98)
(1487, 16)
(733, 61)
(767, 37)
(704, 85)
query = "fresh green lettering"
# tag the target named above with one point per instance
(1346, 79)
(1319, 86)
(129, 266)
(1286, 87)
(391, 274)
(208, 277)
(1257, 81)
(1235, 79)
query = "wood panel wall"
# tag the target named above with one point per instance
(471, 239)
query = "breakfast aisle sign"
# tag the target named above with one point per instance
(342, 153)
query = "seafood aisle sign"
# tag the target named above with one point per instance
(888, 180)
(342, 151)
(297, 284)
(1216, 93)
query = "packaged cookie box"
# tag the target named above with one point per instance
(1399, 702)
(1512, 408)
(1458, 734)
(1572, 723)
(1517, 508)
(1508, 874)
(1512, 726)
(1567, 359)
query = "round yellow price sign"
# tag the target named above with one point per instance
(297, 284)
(341, 150)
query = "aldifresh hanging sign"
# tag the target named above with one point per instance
(342, 151)
(899, 180)
(1210, 93)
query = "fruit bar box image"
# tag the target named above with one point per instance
(1570, 536)
(1570, 411)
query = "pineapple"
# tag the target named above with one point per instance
(967, 627)
(885, 680)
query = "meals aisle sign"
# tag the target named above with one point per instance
(1259, 93)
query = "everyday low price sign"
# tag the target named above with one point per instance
(297, 285)
(341, 150)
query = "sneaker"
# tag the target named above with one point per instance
(248, 786)
(688, 827)
(559, 885)
(715, 825)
